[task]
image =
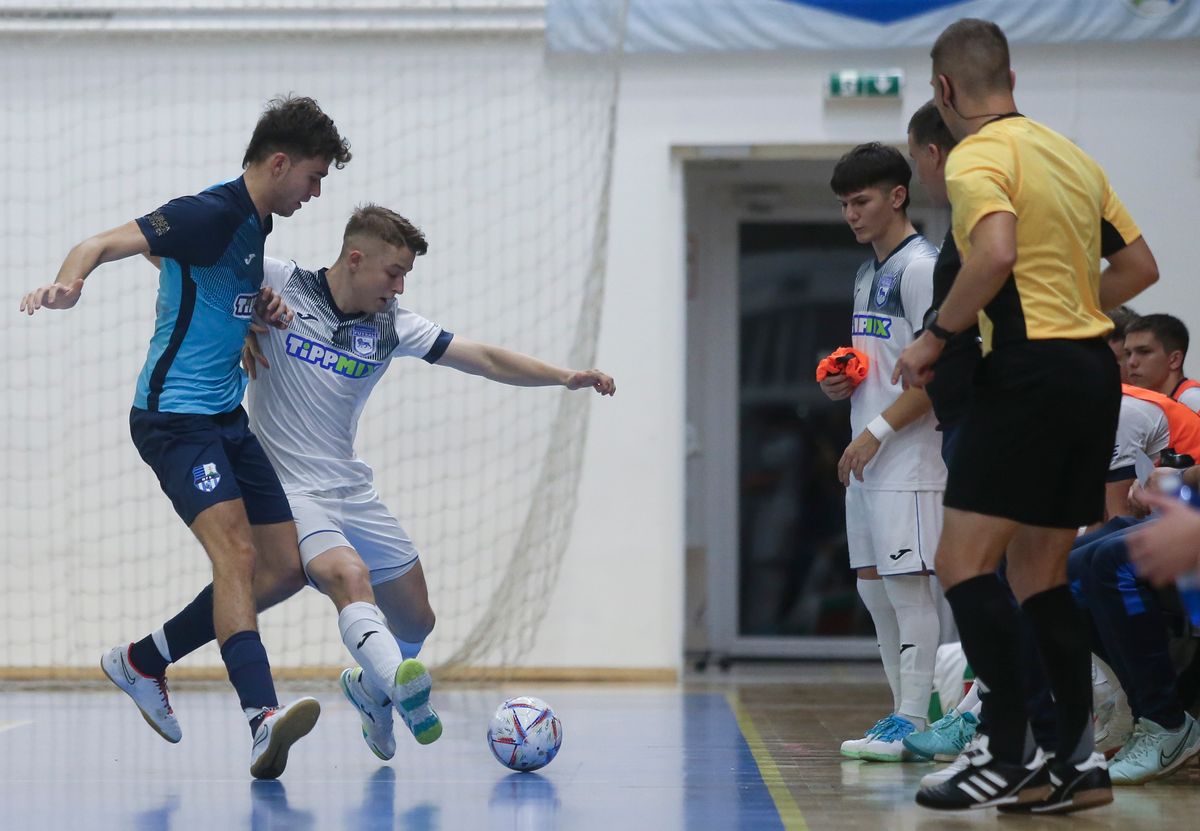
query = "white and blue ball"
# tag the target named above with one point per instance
(525, 734)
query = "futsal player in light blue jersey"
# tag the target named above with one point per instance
(187, 420)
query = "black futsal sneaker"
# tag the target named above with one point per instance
(1074, 787)
(986, 782)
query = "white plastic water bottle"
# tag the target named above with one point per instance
(1171, 482)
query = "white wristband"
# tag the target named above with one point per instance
(880, 428)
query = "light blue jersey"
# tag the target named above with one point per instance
(211, 246)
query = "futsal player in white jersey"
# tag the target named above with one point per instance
(892, 468)
(307, 391)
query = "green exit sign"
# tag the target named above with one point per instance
(853, 83)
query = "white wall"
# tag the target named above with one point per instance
(1132, 106)
(618, 600)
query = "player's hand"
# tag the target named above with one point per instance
(1169, 546)
(594, 378)
(270, 308)
(856, 457)
(53, 296)
(837, 387)
(252, 353)
(1136, 505)
(915, 364)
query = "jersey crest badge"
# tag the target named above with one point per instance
(364, 339)
(886, 281)
(205, 477)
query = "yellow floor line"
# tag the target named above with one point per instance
(10, 725)
(789, 811)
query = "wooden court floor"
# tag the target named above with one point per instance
(752, 749)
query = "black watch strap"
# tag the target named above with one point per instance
(937, 331)
(930, 325)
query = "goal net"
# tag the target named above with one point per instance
(459, 119)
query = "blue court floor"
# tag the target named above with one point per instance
(658, 758)
(753, 749)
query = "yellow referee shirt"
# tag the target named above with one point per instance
(1067, 218)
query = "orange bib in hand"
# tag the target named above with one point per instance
(846, 361)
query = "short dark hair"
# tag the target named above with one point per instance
(1170, 331)
(1121, 318)
(974, 54)
(871, 165)
(927, 127)
(296, 126)
(387, 225)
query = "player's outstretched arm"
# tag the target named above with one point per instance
(498, 364)
(114, 244)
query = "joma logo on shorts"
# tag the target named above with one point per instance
(872, 326)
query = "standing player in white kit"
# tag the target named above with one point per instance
(892, 469)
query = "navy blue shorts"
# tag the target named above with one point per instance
(201, 460)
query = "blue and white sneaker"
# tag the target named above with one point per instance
(376, 718)
(852, 747)
(888, 744)
(410, 695)
(1155, 752)
(946, 738)
(281, 727)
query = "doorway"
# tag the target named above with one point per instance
(771, 267)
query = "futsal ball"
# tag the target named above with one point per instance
(525, 734)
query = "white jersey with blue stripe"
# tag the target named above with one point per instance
(211, 247)
(304, 408)
(890, 301)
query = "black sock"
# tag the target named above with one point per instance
(1062, 638)
(146, 658)
(186, 632)
(249, 672)
(987, 626)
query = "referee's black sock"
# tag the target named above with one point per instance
(1062, 638)
(987, 627)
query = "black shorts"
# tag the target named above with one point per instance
(201, 460)
(1038, 436)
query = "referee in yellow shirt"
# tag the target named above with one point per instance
(1032, 215)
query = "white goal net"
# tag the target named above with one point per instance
(459, 120)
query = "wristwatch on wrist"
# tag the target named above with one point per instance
(930, 325)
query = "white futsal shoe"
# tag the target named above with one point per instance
(149, 694)
(376, 718)
(280, 729)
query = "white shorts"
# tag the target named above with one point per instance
(895, 531)
(355, 518)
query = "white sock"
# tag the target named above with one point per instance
(887, 632)
(970, 701)
(917, 618)
(365, 633)
(159, 636)
(409, 649)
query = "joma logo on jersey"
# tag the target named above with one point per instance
(243, 305)
(872, 326)
(328, 358)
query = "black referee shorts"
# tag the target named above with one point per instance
(1038, 436)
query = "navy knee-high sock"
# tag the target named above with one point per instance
(249, 672)
(186, 632)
